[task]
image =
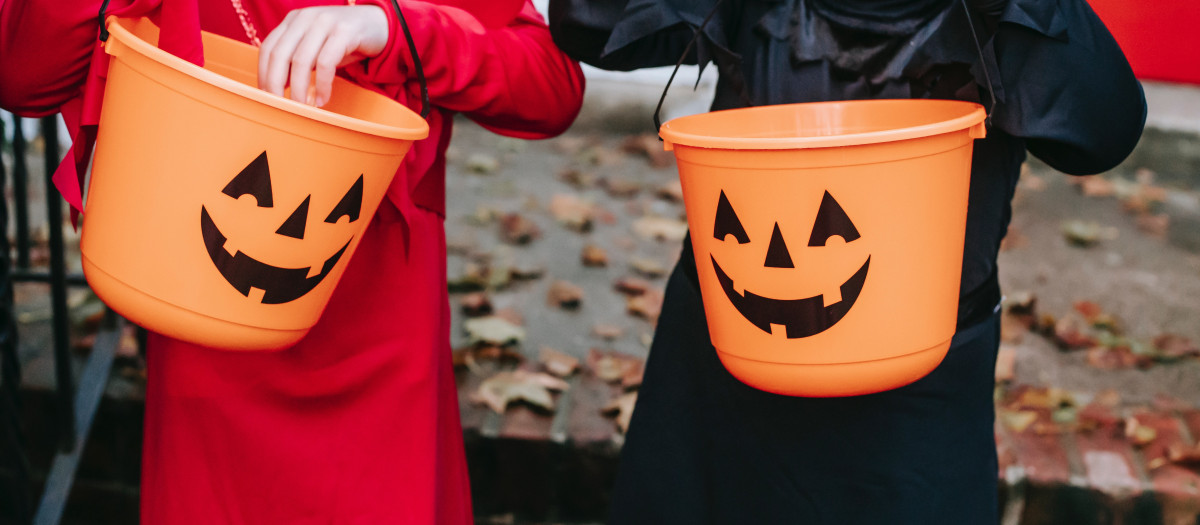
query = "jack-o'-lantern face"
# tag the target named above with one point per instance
(800, 316)
(279, 284)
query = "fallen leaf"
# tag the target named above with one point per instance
(1032, 182)
(649, 146)
(474, 278)
(558, 363)
(647, 305)
(1072, 331)
(1096, 186)
(660, 228)
(475, 304)
(572, 212)
(607, 331)
(647, 339)
(1174, 346)
(1112, 358)
(1018, 421)
(633, 376)
(577, 178)
(570, 145)
(482, 163)
(494, 330)
(511, 315)
(520, 385)
(620, 187)
(517, 229)
(622, 407)
(594, 256)
(598, 155)
(647, 267)
(1085, 234)
(1155, 225)
(1137, 433)
(1006, 362)
(526, 271)
(632, 286)
(564, 295)
(671, 191)
(610, 365)
(1187, 456)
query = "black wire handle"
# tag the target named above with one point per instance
(412, 48)
(103, 26)
(686, 50)
(982, 64)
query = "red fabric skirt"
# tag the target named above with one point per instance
(356, 424)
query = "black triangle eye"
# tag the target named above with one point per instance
(831, 220)
(727, 222)
(254, 180)
(350, 205)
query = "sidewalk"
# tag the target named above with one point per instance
(1071, 452)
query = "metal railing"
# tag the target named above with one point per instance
(75, 403)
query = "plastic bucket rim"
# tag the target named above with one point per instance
(126, 38)
(968, 121)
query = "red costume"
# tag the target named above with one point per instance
(358, 423)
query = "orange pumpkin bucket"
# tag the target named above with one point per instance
(218, 213)
(829, 237)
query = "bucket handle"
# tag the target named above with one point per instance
(699, 30)
(412, 48)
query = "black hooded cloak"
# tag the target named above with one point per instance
(705, 448)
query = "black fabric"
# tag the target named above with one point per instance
(889, 17)
(703, 447)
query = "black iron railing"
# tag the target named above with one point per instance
(75, 402)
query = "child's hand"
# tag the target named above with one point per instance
(319, 39)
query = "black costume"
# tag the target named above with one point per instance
(705, 448)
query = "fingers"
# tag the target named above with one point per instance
(306, 49)
(332, 55)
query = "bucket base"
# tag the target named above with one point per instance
(838, 379)
(172, 321)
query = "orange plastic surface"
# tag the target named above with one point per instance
(167, 232)
(829, 237)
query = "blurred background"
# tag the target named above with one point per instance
(558, 252)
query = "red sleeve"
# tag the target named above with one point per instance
(511, 79)
(46, 48)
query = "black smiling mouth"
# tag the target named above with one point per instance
(280, 285)
(801, 317)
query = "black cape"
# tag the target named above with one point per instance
(705, 448)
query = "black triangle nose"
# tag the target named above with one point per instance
(777, 252)
(294, 225)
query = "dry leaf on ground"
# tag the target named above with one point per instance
(671, 191)
(660, 228)
(607, 331)
(520, 385)
(1006, 363)
(594, 256)
(620, 187)
(1085, 234)
(632, 286)
(622, 407)
(1155, 225)
(572, 212)
(482, 163)
(493, 330)
(577, 178)
(518, 229)
(647, 267)
(476, 304)
(647, 305)
(564, 295)
(558, 363)
(651, 147)
(612, 366)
